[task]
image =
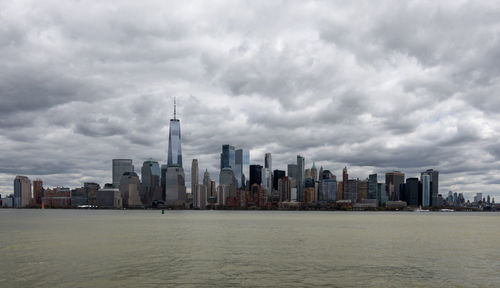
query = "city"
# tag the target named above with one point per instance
(243, 185)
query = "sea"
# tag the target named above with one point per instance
(145, 248)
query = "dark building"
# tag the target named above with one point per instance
(372, 186)
(255, 174)
(309, 183)
(411, 191)
(277, 175)
(392, 182)
(227, 157)
(434, 185)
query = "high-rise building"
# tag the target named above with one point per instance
(277, 174)
(434, 185)
(363, 189)
(194, 180)
(174, 141)
(292, 171)
(22, 191)
(412, 191)
(345, 177)
(300, 178)
(238, 168)
(268, 162)
(267, 181)
(426, 190)
(227, 180)
(206, 182)
(329, 190)
(314, 172)
(227, 157)
(372, 186)
(255, 175)
(91, 189)
(151, 182)
(175, 184)
(37, 191)
(393, 181)
(351, 190)
(284, 189)
(130, 185)
(121, 166)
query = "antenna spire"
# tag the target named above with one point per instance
(175, 110)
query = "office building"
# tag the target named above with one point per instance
(121, 166)
(174, 142)
(22, 191)
(411, 191)
(372, 186)
(393, 181)
(434, 185)
(227, 157)
(130, 185)
(194, 181)
(109, 198)
(300, 177)
(329, 190)
(277, 174)
(268, 162)
(284, 189)
(255, 175)
(37, 191)
(151, 190)
(426, 190)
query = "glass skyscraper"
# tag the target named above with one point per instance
(174, 143)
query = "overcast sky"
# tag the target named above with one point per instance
(374, 85)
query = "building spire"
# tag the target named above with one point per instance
(175, 110)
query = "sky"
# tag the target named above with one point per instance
(375, 86)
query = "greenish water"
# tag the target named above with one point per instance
(97, 248)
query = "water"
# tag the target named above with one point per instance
(97, 248)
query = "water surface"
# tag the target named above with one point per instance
(99, 248)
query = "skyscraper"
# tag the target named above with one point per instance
(22, 191)
(393, 180)
(426, 190)
(372, 186)
(434, 185)
(194, 181)
(412, 191)
(255, 174)
(151, 182)
(300, 178)
(175, 185)
(238, 168)
(121, 166)
(129, 190)
(174, 141)
(227, 157)
(37, 191)
(277, 174)
(268, 162)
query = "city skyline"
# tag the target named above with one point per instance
(303, 81)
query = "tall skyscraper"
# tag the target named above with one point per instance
(130, 185)
(345, 177)
(411, 191)
(175, 184)
(151, 182)
(121, 166)
(300, 178)
(393, 180)
(372, 186)
(227, 157)
(292, 171)
(174, 141)
(434, 185)
(277, 174)
(22, 191)
(426, 190)
(268, 162)
(255, 174)
(314, 172)
(37, 191)
(194, 181)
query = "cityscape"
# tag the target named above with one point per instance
(242, 185)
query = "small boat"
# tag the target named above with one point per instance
(421, 210)
(447, 210)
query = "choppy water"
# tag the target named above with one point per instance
(89, 248)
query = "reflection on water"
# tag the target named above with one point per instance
(97, 248)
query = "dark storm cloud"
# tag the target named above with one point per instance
(375, 86)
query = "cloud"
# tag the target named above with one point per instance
(374, 86)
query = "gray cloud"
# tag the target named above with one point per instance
(375, 86)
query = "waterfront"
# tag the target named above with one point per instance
(125, 248)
